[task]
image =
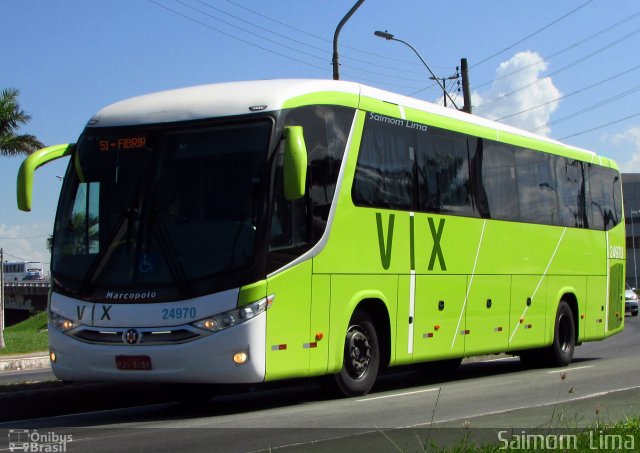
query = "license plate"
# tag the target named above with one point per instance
(133, 362)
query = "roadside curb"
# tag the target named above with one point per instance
(24, 362)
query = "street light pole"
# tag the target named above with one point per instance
(390, 37)
(334, 60)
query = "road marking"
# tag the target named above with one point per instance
(570, 369)
(509, 410)
(398, 395)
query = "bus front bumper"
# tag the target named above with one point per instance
(206, 360)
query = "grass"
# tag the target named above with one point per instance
(616, 437)
(27, 336)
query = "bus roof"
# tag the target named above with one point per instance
(214, 100)
(239, 98)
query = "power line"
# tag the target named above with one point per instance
(589, 108)
(288, 38)
(256, 35)
(235, 37)
(19, 238)
(531, 34)
(16, 257)
(601, 82)
(561, 51)
(266, 49)
(321, 38)
(601, 126)
(574, 63)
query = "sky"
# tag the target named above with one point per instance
(564, 69)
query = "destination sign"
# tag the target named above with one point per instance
(122, 143)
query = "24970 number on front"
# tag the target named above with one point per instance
(179, 313)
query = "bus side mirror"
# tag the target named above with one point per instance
(295, 163)
(31, 164)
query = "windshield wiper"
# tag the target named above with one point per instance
(156, 224)
(104, 256)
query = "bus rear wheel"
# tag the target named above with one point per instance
(361, 358)
(560, 353)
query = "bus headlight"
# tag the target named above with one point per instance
(233, 317)
(61, 323)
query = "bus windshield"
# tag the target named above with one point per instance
(160, 210)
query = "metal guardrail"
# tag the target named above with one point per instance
(28, 284)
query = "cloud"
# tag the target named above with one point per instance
(629, 140)
(25, 242)
(518, 87)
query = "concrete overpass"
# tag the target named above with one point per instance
(29, 296)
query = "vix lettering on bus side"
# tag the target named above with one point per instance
(105, 316)
(385, 241)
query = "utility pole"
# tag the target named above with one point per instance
(444, 84)
(334, 60)
(2, 345)
(466, 90)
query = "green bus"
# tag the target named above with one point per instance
(263, 230)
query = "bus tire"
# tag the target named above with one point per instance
(361, 358)
(560, 353)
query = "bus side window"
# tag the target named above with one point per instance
(82, 225)
(289, 236)
(297, 225)
(605, 195)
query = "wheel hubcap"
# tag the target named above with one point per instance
(359, 353)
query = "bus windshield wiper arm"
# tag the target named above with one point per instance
(104, 256)
(168, 252)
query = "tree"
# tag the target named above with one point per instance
(12, 144)
(11, 118)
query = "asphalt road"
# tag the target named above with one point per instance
(26, 376)
(406, 410)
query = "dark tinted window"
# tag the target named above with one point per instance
(297, 225)
(537, 193)
(385, 172)
(443, 171)
(410, 166)
(326, 130)
(174, 208)
(571, 182)
(498, 163)
(606, 206)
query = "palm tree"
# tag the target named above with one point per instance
(13, 144)
(11, 118)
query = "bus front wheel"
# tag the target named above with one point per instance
(361, 358)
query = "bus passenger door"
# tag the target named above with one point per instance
(288, 323)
